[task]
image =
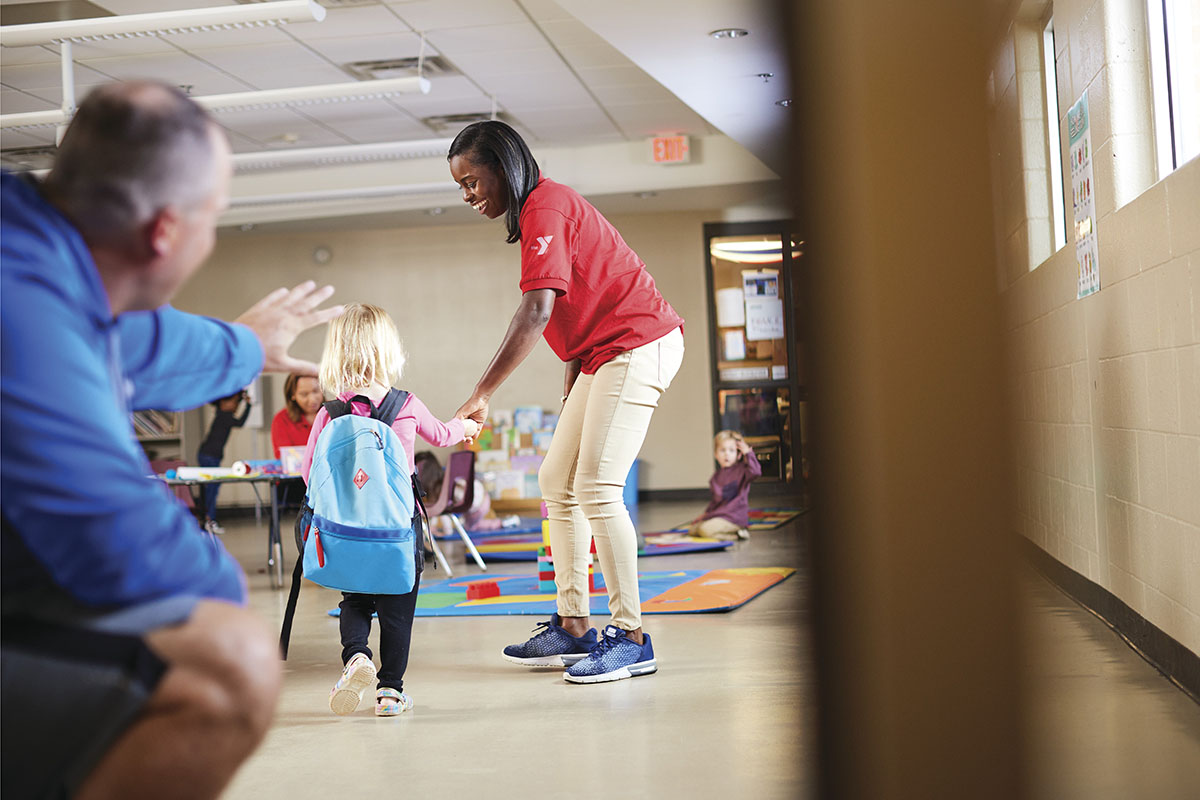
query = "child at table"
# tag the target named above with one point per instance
(363, 356)
(728, 513)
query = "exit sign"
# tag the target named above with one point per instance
(670, 150)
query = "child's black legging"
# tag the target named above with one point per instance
(395, 630)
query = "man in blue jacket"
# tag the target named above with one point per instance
(130, 666)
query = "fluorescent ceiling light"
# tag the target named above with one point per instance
(305, 95)
(751, 252)
(162, 23)
(352, 193)
(267, 98)
(33, 119)
(343, 154)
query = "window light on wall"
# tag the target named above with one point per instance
(1053, 139)
(1174, 28)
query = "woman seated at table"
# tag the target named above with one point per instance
(302, 400)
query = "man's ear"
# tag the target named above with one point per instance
(162, 232)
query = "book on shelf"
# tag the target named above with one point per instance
(156, 423)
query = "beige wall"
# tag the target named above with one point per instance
(1107, 389)
(452, 291)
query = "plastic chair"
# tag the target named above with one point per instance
(461, 466)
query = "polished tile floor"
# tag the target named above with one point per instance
(723, 717)
(728, 715)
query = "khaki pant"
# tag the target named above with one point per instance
(718, 528)
(599, 434)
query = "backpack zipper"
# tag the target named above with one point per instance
(320, 550)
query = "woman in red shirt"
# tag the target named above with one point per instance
(302, 400)
(592, 299)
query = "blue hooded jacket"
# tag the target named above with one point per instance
(80, 509)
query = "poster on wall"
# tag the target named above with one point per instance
(1083, 198)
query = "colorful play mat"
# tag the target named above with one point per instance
(672, 592)
(761, 519)
(524, 546)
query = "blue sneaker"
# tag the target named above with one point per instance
(551, 647)
(616, 657)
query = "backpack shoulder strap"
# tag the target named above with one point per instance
(390, 407)
(337, 408)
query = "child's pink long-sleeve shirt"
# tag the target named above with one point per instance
(414, 418)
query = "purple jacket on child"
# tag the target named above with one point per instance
(731, 491)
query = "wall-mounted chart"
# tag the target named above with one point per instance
(1083, 198)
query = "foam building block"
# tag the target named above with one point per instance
(481, 590)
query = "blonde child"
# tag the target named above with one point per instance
(363, 356)
(728, 513)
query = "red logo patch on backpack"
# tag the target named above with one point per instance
(361, 478)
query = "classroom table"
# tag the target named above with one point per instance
(274, 540)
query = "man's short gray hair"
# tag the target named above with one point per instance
(131, 150)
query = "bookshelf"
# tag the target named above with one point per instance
(162, 434)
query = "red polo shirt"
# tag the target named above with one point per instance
(285, 433)
(606, 300)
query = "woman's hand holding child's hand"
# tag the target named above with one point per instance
(470, 429)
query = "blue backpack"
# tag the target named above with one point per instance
(360, 529)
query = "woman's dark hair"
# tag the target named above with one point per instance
(496, 145)
(294, 411)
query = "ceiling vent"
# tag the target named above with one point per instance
(433, 67)
(455, 122)
(25, 159)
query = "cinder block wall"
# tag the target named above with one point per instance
(1107, 388)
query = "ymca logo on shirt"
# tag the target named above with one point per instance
(541, 244)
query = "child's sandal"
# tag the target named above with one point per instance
(390, 703)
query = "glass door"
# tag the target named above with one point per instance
(755, 350)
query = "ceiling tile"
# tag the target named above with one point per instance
(147, 6)
(120, 48)
(486, 39)
(271, 125)
(177, 68)
(655, 119)
(390, 129)
(353, 112)
(14, 102)
(33, 77)
(608, 77)
(555, 91)
(350, 21)
(345, 50)
(569, 33)
(39, 54)
(568, 123)
(21, 137)
(629, 95)
(545, 10)
(428, 15)
(588, 56)
(274, 66)
(508, 62)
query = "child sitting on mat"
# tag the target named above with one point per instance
(728, 513)
(363, 356)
